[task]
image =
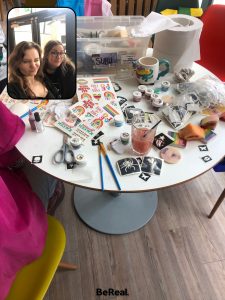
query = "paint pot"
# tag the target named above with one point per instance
(76, 142)
(80, 159)
(157, 102)
(148, 94)
(142, 88)
(137, 96)
(125, 137)
(165, 85)
(118, 121)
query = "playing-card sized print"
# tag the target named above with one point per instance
(152, 165)
(128, 166)
(161, 140)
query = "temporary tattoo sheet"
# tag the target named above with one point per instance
(97, 105)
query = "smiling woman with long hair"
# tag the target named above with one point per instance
(25, 74)
(59, 69)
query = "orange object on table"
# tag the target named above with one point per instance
(191, 132)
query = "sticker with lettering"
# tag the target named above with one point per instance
(104, 60)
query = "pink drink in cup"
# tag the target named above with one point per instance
(142, 135)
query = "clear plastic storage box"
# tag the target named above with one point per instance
(98, 54)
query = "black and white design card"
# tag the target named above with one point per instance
(128, 166)
(139, 159)
(37, 159)
(130, 112)
(206, 158)
(122, 100)
(151, 165)
(145, 176)
(161, 140)
(70, 166)
(98, 135)
(126, 109)
(203, 148)
(95, 142)
(116, 87)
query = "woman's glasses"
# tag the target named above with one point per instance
(56, 53)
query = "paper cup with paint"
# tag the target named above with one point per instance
(149, 69)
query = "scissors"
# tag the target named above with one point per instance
(65, 154)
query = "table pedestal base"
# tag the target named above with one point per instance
(106, 213)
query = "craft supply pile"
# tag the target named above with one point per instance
(144, 127)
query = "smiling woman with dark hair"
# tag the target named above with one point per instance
(25, 74)
(59, 69)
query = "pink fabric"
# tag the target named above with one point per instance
(93, 7)
(23, 221)
(97, 8)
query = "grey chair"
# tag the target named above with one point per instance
(206, 3)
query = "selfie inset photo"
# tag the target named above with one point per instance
(41, 53)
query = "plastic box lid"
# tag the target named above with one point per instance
(101, 23)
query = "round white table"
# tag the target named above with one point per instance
(109, 211)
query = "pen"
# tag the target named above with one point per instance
(100, 165)
(43, 102)
(27, 113)
(109, 164)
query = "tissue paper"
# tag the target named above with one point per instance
(179, 44)
(152, 24)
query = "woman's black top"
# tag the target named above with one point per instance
(64, 83)
(15, 91)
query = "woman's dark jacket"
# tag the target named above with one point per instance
(65, 83)
(15, 91)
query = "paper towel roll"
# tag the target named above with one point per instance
(180, 44)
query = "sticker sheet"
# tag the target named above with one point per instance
(97, 105)
(8, 101)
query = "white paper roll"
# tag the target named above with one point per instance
(180, 44)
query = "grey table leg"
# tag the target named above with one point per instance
(115, 215)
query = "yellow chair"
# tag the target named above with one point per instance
(33, 280)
